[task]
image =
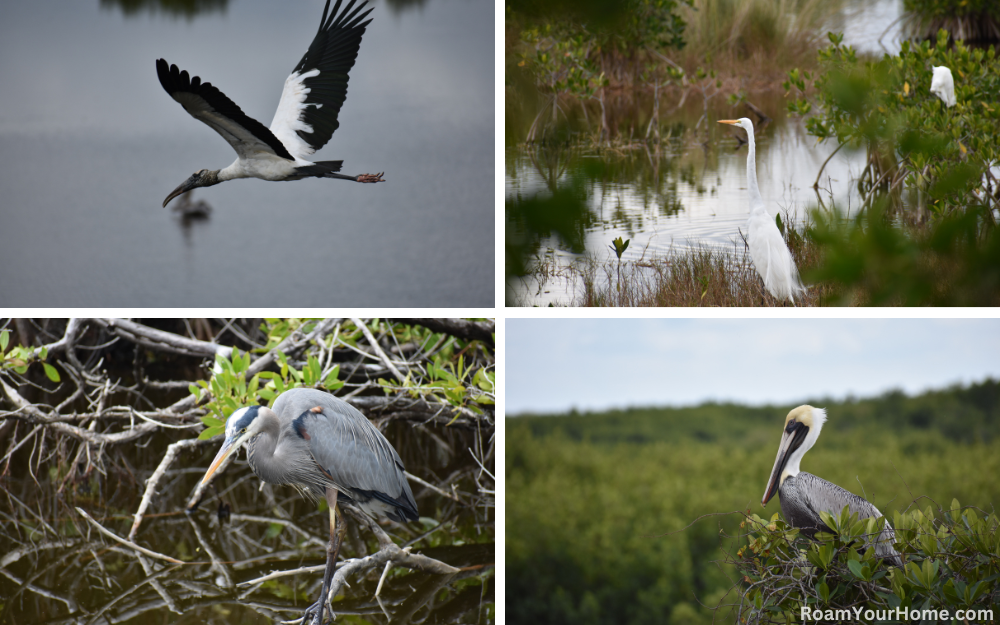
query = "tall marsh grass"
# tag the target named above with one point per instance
(703, 277)
(770, 34)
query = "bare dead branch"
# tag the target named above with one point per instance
(102, 401)
(434, 488)
(127, 543)
(147, 496)
(378, 349)
(152, 338)
(460, 328)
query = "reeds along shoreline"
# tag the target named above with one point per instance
(703, 277)
(752, 42)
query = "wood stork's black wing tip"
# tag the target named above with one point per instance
(332, 53)
(175, 81)
(163, 73)
(172, 79)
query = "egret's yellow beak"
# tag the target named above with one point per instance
(731, 122)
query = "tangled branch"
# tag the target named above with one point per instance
(72, 390)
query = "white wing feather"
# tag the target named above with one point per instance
(288, 118)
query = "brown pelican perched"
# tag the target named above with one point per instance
(804, 496)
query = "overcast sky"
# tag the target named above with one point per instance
(553, 365)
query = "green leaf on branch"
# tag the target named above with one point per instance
(51, 372)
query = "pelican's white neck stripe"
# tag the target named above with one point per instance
(792, 466)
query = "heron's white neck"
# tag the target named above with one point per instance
(755, 199)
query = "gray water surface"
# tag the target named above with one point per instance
(90, 145)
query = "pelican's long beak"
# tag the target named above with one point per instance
(187, 185)
(731, 122)
(791, 440)
(228, 447)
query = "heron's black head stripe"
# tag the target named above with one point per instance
(246, 418)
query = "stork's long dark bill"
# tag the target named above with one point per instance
(185, 186)
(790, 441)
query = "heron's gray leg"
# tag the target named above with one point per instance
(331, 559)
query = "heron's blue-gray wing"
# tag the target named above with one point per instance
(353, 453)
(316, 89)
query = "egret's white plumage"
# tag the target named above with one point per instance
(306, 117)
(771, 257)
(943, 85)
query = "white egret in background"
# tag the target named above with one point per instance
(771, 257)
(943, 85)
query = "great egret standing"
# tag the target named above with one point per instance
(305, 120)
(804, 496)
(323, 447)
(771, 257)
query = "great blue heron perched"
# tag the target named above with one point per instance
(324, 447)
(804, 496)
(305, 120)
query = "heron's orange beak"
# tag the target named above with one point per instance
(731, 122)
(227, 449)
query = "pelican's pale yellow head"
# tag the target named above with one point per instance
(802, 427)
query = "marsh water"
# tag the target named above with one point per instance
(90, 145)
(689, 190)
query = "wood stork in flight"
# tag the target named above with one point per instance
(306, 117)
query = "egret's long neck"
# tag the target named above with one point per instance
(755, 198)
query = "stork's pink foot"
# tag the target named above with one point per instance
(371, 177)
